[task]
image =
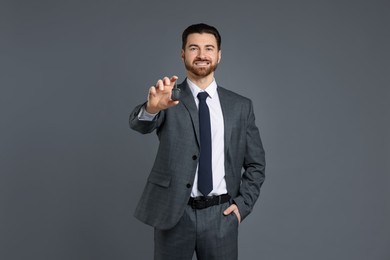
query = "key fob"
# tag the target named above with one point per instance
(175, 95)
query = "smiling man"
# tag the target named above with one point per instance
(210, 162)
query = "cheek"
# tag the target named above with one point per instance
(189, 57)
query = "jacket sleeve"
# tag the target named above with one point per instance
(254, 168)
(144, 126)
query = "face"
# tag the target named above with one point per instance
(201, 55)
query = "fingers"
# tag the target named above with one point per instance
(165, 82)
(233, 209)
(160, 85)
(168, 81)
(172, 103)
(230, 209)
(152, 90)
(173, 79)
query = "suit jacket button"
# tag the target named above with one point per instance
(188, 185)
(194, 157)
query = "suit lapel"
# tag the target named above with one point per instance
(227, 111)
(187, 99)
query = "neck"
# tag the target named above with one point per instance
(201, 82)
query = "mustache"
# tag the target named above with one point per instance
(202, 60)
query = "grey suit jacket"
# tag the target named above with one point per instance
(169, 184)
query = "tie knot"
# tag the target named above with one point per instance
(202, 95)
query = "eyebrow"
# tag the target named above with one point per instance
(195, 45)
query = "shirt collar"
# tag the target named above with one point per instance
(211, 89)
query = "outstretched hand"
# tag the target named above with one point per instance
(159, 97)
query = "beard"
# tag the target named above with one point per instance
(200, 71)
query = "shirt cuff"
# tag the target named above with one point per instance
(143, 115)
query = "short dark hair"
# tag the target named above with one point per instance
(201, 28)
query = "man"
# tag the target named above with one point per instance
(210, 162)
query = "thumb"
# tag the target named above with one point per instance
(229, 210)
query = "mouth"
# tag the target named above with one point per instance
(202, 63)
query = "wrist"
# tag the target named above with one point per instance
(151, 110)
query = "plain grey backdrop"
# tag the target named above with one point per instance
(71, 171)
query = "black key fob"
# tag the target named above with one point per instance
(175, 95)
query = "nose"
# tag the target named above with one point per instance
(201, 54)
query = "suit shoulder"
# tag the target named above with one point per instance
(233, 95)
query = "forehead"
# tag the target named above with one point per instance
(201, 39)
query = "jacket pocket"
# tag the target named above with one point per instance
(159, 179)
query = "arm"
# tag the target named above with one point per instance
(143, 125)
(254, 169)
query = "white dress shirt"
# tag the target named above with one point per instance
(217, 138)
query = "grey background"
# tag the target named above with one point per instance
(71, 171)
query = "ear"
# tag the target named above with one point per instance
(182, 54)
(219, 56)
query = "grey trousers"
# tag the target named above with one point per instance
(207, 232)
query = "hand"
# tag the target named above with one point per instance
(159, 97)
(233, 208)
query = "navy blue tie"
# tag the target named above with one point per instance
(205, 178)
